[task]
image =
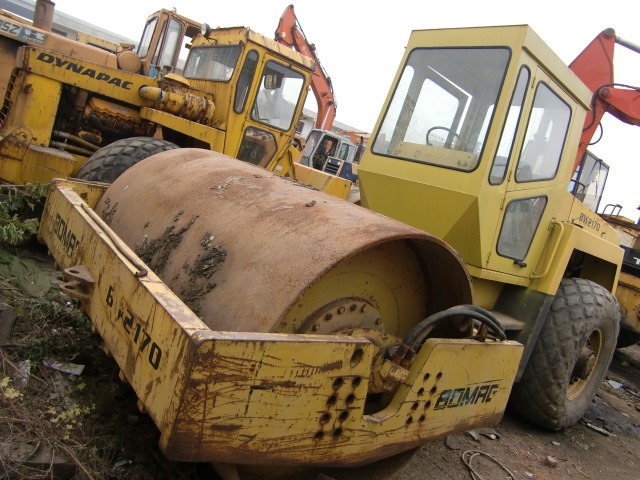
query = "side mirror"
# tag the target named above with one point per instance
(273, 80)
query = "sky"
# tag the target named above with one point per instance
(361, 43)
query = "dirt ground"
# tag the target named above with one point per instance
(87, 426)
(580, 452)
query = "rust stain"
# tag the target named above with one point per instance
(267, 384)
(226, 427)
(327, 367)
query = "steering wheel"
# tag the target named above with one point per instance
(451, 132)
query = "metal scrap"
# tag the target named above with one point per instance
(597, 429)
(64, 367)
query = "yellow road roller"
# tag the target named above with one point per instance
(263, 322)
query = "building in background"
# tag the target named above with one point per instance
(65, 24)
(308, 120)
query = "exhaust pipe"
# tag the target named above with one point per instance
(43, 14)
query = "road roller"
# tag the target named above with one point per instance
(265, 323)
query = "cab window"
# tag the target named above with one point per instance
(312, 141)
(278, 96)
(442, 108)
(521, 219)
(258, 147)
(347, 152)
(501, 160)
(244, 81)
(212, 62)
(589, 180)
(545, 137)
(172, 41)
(147, 36)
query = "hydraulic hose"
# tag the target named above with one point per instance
(417, 335)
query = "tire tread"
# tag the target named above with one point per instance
(579, 306)
(111, 161)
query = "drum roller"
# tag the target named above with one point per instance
(249, 250)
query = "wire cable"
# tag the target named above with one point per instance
(471, 454)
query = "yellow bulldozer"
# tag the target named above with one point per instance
(75, 110)
(263, 323)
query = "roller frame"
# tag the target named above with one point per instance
(260, 398)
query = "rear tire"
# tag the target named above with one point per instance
(111, 161)
(571, 356)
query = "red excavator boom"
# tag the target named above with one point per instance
(594, 66)
(290, 33)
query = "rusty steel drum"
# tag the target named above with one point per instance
(249, 250)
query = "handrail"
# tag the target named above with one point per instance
(554, 249)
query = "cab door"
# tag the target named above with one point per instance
(534, 176)
(271, 113)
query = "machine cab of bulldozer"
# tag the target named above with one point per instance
(476, 144)
(259, 89)
(163, 47)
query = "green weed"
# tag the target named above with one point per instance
(20, 209)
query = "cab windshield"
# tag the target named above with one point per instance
(212, 62)
(442, 108)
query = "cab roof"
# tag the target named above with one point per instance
(517, 38)
(243, 34)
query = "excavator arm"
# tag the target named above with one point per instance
(289, 33)
(594, 66)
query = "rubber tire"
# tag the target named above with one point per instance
(111, 161)
(578, 309)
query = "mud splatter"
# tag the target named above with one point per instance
(207, 238)
(109, 211)
(155, 253)
(192, 295)
(208, 263)
(298, 183)
(200, 272)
